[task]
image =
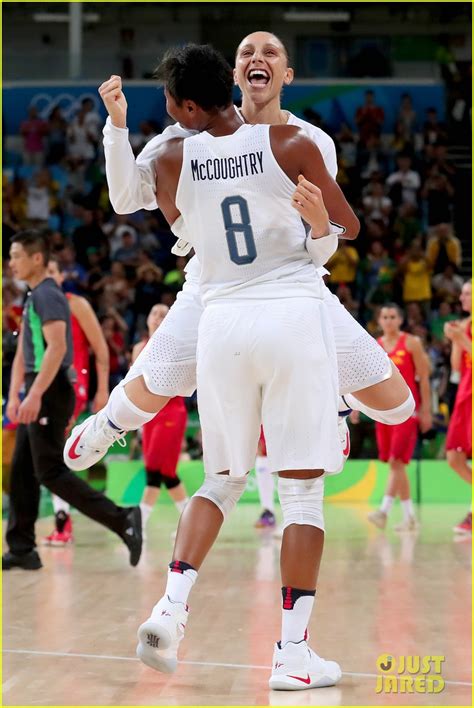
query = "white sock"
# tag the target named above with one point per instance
(294, 622)
(407, 507)
(181, 504)
(146, 510)
(124, 414)
(386, 504)
(60, 505)
(265, 484)
(179, 584)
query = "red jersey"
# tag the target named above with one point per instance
(464, 391)
(403, 360)
(80, 346)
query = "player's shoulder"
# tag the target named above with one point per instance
(317, 135)
(290, 135)
(155, 146)
(412, 341)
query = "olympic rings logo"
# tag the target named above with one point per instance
(68, 103)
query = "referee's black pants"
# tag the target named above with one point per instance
(38, 459)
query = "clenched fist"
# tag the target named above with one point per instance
(114, 100)
(308, 201)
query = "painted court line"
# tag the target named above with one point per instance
(188, 663)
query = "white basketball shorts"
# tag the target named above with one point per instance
(270, 363)
(168, 362)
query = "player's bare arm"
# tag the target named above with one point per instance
(423, 370)
(168, 168)
(302, 161)
(16, 381)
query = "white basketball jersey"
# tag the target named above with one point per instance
(236, 203)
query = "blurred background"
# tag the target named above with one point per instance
(390, 82)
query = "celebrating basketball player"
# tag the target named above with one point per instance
(396, 443)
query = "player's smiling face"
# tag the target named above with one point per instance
(261, 67)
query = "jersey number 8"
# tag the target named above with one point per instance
(232, 228)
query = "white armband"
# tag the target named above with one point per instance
(321, 249)
(182, 246)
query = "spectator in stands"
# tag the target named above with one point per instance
(445, 314)
(89, 234)
(371, 158)
(75, 276)
(92, 118)
(440, 158)
(40, 198)
(437, 192)
(376, 204)
(57, 132)
(148, 130)
(447, 285)
(342, 266)
(33, 131)
(115, 289)
(405, 182)
(81, 140)
(443, 248)
(433, 131)
(407, 225)
(128, 253)
(376, 266)
(114, 329)
(115, 228)
(344, 294)
(148, 291)
(416, 276)
(407, 118)
(369, 118)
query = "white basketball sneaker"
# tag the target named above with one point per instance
(296, 667)
(90, 440)
(378, 518)
(160, 635)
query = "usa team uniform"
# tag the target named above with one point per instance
(168, 362)
(263, 311)
(460, 426)
(398, 442)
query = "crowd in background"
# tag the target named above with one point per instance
(401, 186)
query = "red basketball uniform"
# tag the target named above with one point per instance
(80, 347)
(163, 438)
(398, 442)
(460, 426)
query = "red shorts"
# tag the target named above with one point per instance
(459, 435)
(262, 445)
(163, 438)
(397, 442)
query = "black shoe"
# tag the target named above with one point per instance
(27, 561)
(132, 536)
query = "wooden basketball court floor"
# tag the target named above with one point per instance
(69, 629)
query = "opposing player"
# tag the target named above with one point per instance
(162, 439)
(87, 336)
(459, 438)
(167, 366)
(396, 443)
(263, 310)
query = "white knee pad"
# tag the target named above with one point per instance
(224, 491)
(302, 501)
(394, 416)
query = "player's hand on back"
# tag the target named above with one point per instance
(308, 201)
(114, 100)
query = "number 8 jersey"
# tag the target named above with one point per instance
(235, 201)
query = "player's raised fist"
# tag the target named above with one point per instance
(114, 100)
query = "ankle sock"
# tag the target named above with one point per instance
(296, 612)
(181, 578)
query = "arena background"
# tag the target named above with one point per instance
(409, 54)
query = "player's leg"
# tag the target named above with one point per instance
(172, 437)
(457, 460)
(300, 446)
(459, 451)
(229, 409)
(165, 368)
(368, 380)
(295, 665)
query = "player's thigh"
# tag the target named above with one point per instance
(229, 394)
(168, 362)
(361, 361)
(299, 404)
(383, 436)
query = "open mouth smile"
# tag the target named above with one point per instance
(258, 77)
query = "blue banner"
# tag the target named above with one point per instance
(336, 103)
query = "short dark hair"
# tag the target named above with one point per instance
(199, 73)
(33, 241)
(393, 306)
